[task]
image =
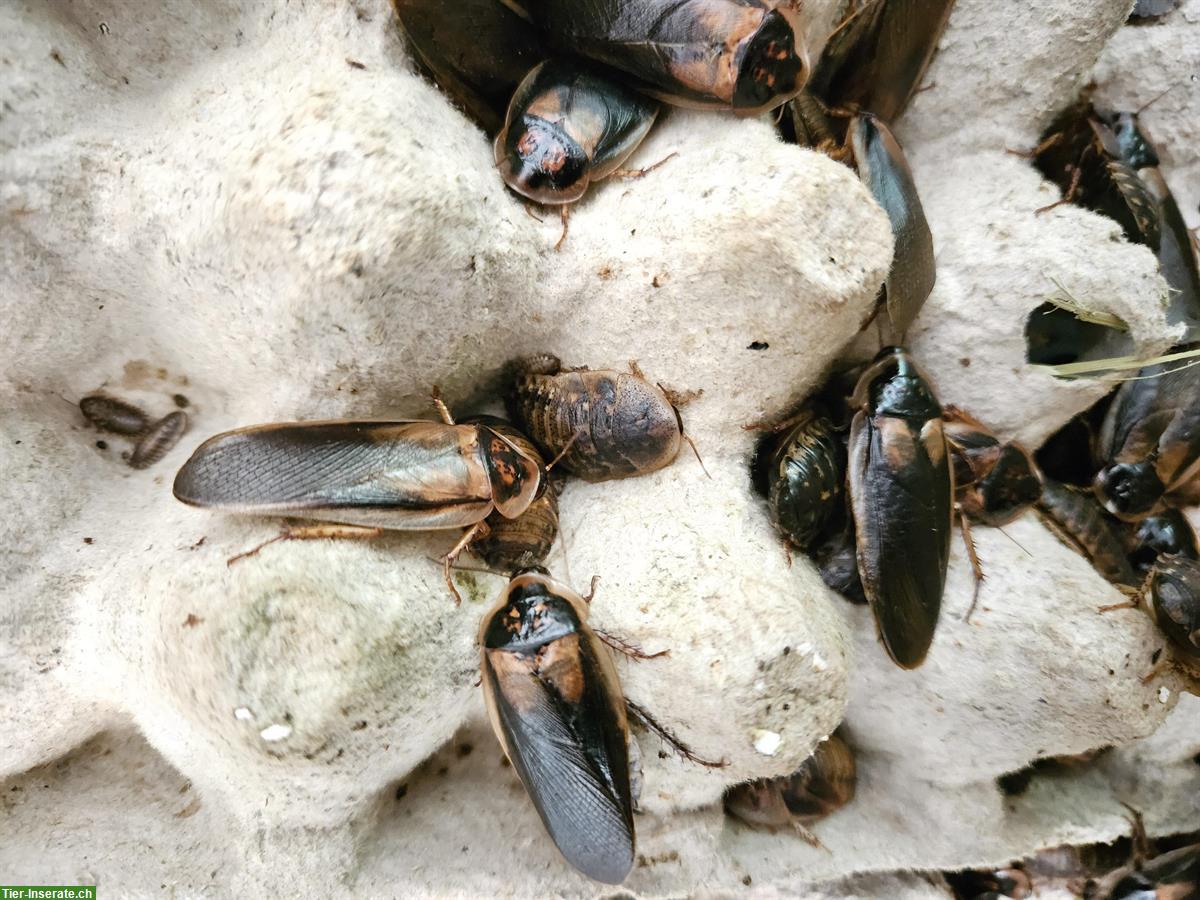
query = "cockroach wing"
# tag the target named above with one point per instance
(901, 490)
(401, 475)
(884, 169)
(568, 745)
(876, 60)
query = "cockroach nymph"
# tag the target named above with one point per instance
(115, 416)
(158, 441)
(598, 424)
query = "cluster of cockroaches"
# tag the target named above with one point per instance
(154, 438)
(569, 88)
(551, 687)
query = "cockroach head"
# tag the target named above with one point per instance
(1129, 490)
(539, 160)
(772, 66)
(894, 385)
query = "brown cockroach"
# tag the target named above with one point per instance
(1079, 522)
(511, 545)
(600, 424)
(407, 475)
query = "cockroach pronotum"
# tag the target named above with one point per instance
(995, 481)
(600, 424)
(557, 708)
(569, 124)
(1150, 442)
(902, 495)
(407, 475)
(1167, 534)
(744, 55)
(1079, 522)
(823, 784)
(115, 416)
(159, 439)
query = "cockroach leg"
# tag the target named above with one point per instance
(976, 568)
(1138, 838)
(1131, 603)
(479, 529)
(1164, 663)
(680, 747)
(678, 398)
(776, 427)
(443, 410)
(529, 212)
(592, 590)
(808, 837)
(638, 173)
(1068, 196)
(565, 214)
(627, 648)
(1039, 149)
(692, 444)
(312, 533)
(550, 465)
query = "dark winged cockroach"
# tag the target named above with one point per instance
(1079, 522)
(511, 545)
(1150, 441)
(599, 424)
(744, 55)
(405, 475)
(995, 481)
(114, 416)
(1173, 875)
(159, 439)
(804, 473)
(876, 58)
(557, 708)
(901, 492)
(569, 124)
(478, 51)
(1167, 534)
(823, 784)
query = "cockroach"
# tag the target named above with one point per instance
(557, 708)
(1150, 442)
(997, 884)
(478, 51)
(569, 124)
(511, 545)
(1081, 154)
(823, 784)
(598, 424)
(995, 481)
(407, 475)
(902, 495)
(1079, 522)
(804, 474)
(158, 441)
(1167, 534)
(115, 416)
(1173, 598)
(744, 55)
(875, 60)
